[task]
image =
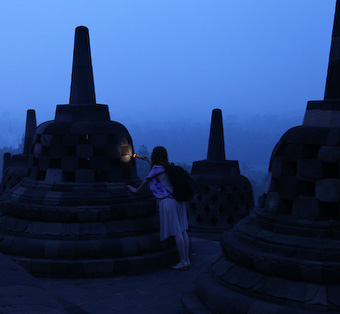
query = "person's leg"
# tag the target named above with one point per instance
(180, 244)
(186, 246)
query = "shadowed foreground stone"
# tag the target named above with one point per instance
(223, 196)
(284, 257)
(21, 293)
(73, 215)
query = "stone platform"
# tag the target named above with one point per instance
(160, 291)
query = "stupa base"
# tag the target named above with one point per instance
(214, 295)
(97, 267)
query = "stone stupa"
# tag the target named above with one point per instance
(15, 167)
(284, 257)
(223, 196)
(73, 215)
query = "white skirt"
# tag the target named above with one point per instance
(173, 217)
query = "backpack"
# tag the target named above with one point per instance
(182, 183)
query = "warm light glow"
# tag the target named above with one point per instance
(134, 155)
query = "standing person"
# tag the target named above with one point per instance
(172, 214)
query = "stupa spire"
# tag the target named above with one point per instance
(332, 90)
(31, 126)
(216, 150)
(82, 85)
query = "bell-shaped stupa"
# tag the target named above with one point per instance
(73, 215)
(284, 257)
(15, 167)
(223, 196)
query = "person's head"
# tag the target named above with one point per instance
(159, 156)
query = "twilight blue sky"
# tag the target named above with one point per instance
(165, 60)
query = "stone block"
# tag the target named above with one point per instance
(84, 151)
(37, 150)
(52, 198)
(272, 202)
(53, 175)
(329, 154)
(52, 248)
(328, 190)
(305, 207)
(83, 127)
(46, 140)
(308, 170)
(306, 135)
(316, 295)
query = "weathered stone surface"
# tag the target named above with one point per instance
(329, 154)
(306, 135)
(53, 175)
(328, 190)
(272, 202)
(306, 208)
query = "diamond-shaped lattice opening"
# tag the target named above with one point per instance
(288, 168)
(221, 189)
(214, 198)
(230, 197)
(199, 218)
(285, 206)
(330, 169)
(199, 197)
(207, 189)
(221, 209)
(306, 188)
(230, 220)
(330, 210)
(214, 220)
(310, 151)
(207, 209)
(83, 139)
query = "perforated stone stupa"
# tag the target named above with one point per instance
(223, 196)
(285, 256)
(15, 167)
(73, 215)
